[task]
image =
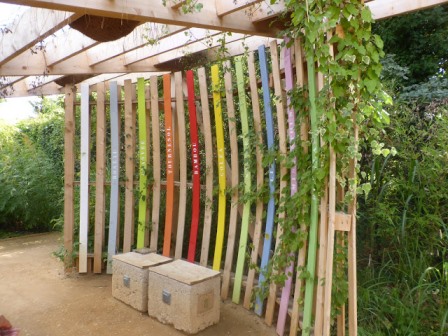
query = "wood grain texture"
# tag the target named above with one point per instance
(182, 165)
(155, 123)
(69, 172)
(143, 164)
(85, 171)
(100, 205)
(129, 133)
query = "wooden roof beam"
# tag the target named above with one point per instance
(382, 9)
(30, 28)
(154, 11)
(225, 7)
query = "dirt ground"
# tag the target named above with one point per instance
(37, 297)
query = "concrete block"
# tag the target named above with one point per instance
(184, 295)
(130, 277)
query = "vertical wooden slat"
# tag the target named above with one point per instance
(209, 167)
(196, 167)
(100, 177)
(148, 159)
(169, 164)
(272, 172)
(69, 172)
(115, 175)
(322, 248)
(281, 124)
(286, 291)
(129, 166)
(221, 167)
(352, 290)
(182, 164)
(260, 179)
(85, 170)
(247, 180)
(143, 165)
(300, 76)
(233, 139)
(156, 163)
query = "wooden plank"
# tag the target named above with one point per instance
(225, 7)
(129, 166)
(69, 173)
(272, 175)
(382, 9)
(155, 122)
(169, 145)
(295, 314)
(322, 246)
(352, 280)
(240, 77)
(196, 167)
(148, 156)
(258, 225)
(208, 140)
(233, 216)
(342, 222)
(85, 170)
(100, 178)
(281, 124)
(182, 164)
(217, 107)
(115, 175)
(286, 290)
(156, 12)
(143, 164)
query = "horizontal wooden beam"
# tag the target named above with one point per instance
(30, 28)
(382, 9)
(225, 7)
(154, 11)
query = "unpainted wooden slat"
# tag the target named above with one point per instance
(304, 127)
(85, 170)
(148, 158)
(281, 124)
(155, 122)
(129, 166)
(69, 172)
(114, 213)
(169, 148)
(100, 177)
(233, 139)
(208, 140)
(182, 164)
(258, 225)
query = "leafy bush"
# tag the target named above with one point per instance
(31, 173)
(403, 227)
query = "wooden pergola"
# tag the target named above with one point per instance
(37, 49)
(43, 53)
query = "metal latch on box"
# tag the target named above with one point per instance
(126, 281)
(166, 297)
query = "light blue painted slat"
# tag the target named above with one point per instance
(115, 175)
(271, 205)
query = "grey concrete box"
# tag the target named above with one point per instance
(184, 295)
(130, 277)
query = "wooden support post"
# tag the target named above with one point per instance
(69, 173)
(100, 178)
(233, 139)
(129, 121)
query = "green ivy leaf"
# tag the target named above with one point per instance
(366, 15)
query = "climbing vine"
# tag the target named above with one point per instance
(338, 43)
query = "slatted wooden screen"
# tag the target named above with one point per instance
(176, 153)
